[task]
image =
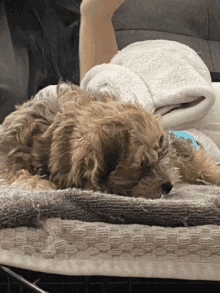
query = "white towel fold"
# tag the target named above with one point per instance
(162, 75)
(166, 77)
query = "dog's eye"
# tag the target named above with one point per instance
(146, 167)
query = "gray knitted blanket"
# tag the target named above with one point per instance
(187, 205)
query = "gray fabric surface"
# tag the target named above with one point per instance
(194, 23)
(14, 69)
(187, 205)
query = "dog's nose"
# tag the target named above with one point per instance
(166, 187)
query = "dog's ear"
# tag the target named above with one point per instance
(96, 154)
(113, 149)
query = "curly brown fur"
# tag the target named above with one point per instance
(93, 141)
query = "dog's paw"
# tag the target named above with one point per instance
(33, 183)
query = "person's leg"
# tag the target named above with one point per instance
(14, 69)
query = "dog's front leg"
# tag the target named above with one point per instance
(195, 165)
(202, 169)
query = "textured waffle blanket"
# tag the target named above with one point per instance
(78, 232)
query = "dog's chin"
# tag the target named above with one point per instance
(130, 190)
(135, 192)
(146, 192)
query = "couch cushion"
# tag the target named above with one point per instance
(195, 23)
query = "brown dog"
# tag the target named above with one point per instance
(93, 141)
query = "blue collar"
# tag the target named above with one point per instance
(186, 135)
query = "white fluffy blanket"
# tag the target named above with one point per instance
(168, 78)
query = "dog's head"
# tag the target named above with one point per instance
(111, 146)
